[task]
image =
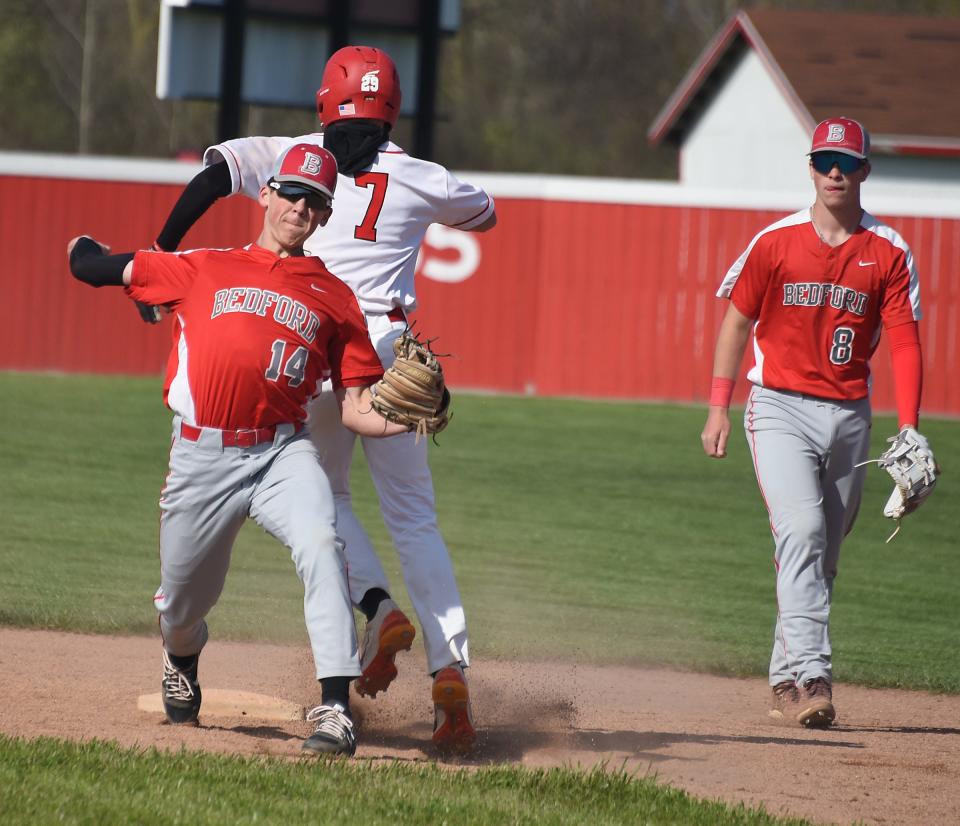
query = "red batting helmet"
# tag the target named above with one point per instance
(359, 82)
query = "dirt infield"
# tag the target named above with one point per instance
(893, 758)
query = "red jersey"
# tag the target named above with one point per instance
(819, 309)
(254, 334)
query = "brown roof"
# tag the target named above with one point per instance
(898, 74)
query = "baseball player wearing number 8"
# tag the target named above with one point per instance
(256, 330)
(816, 289)
(386, 200)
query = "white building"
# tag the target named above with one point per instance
(744, 113)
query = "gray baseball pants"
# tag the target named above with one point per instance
(804, 452)
(210, 491)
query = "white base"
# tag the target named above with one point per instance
(220, 702)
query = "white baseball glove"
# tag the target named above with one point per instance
(910, 463)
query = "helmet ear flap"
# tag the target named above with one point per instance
(320, 93)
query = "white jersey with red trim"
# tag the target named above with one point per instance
(819, 309)
(255, 334)
(380, 215)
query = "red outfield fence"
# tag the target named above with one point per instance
(587, 287)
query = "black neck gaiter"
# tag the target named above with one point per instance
(354, 143)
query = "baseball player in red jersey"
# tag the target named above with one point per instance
(386, 200)
(257, 330)
(816, 288)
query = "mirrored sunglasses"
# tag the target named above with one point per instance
(823, 162)
(315, 200)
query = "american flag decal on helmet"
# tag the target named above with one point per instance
(347, 109)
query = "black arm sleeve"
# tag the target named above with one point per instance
(90, 265)
(198, 196)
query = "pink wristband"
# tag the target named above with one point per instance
(721, 391)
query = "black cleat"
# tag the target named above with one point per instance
(181, 691)
(334, 731)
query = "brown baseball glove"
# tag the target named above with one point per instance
(412, 391)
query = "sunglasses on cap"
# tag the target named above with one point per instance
(293, 193)
(823, 162)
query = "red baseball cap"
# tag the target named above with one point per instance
(305, 168)
(841, 135)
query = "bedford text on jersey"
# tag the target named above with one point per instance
(286, 311)
(819, 294)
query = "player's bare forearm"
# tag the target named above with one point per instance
(358, 415)
(731, 342)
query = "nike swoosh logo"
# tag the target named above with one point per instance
(867, 263)
(318, 289)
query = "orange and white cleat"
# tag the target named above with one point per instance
(453, 729)
(386, 634)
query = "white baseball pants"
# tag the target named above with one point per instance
(401, 475)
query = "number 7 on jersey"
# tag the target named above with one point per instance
(367, 229)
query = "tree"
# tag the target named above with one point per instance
(554, 86)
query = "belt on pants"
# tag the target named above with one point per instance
(397, 314)
(235, 438)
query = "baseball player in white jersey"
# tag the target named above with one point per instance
(386, 200)
(816, 289)
(257, 329)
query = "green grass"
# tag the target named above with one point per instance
(602, 518)
(47, 781)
